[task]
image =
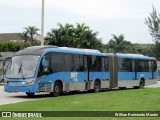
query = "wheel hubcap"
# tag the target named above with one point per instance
(56, 89)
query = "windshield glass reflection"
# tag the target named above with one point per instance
(22, 66)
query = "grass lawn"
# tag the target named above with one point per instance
(115, 100)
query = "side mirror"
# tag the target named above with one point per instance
(43, 62)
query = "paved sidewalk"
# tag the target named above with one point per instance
(1, 84)
(154, 86)
(8, 98)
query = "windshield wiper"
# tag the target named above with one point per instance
(20, 70)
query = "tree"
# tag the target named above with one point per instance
(24, 36)
(118, 44)
(31, 30)
(66, 34)
(156, 51)
(153, 23)
(87, 38)
(79, 37)
(61, 36)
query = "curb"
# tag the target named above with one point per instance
(1, 84)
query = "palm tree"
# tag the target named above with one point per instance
(81, 28)
(80, 31)
(66, 34)
(79, 37)
(31, 30)
(86, 38)
(118, 44)
(24, 36)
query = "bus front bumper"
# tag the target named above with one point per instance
(15, 89)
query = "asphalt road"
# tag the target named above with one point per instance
(154, 86)
(8, 98)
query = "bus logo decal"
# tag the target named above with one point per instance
(74, 76)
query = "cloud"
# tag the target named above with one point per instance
(91, 8)
(105, 16)
(102, 9)
(21, 3)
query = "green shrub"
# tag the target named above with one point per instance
(12, 46)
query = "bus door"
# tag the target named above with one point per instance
(134, 69)
(97, 69)
(87, 60)
(85, 68)
(151, 69)
(113, 69)
(105, 72)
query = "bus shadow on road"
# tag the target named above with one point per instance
(36, 96)
(48, 95)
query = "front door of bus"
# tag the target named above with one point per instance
(151, 70)
(85, 68)
(134, 69)
(87, 60)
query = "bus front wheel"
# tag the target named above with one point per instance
(141, 84)
(57, 90)
(30, 94)
(97, 86)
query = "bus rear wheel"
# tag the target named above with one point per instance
(141, 84)
(96, 86)
(30, 94)
(57, 89)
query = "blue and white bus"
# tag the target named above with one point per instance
(56, 70)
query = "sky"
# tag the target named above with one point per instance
(106, 17)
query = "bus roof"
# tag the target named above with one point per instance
(80, 51)
(34, 50)
(134, 56)
(38, 50)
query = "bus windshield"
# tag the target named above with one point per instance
(22, 66)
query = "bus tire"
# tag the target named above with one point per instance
(97, 86)
(142, 83)
(30, 94)
(57, 89)
(136, 87)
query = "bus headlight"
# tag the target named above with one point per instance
(30, 82)
(5, 82)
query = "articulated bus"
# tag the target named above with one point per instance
(57, 70)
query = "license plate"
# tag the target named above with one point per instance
(15, 89)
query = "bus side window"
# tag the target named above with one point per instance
(57, 62)
(106, 64)
(125, 64)
(81, 68)
(142, 66)
(154, 65)
(69, 65)
(96, 63)
(76, 63)
(85, 63)
(89, 62)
